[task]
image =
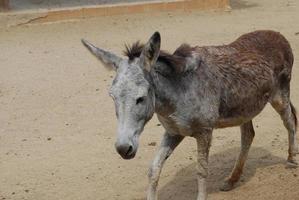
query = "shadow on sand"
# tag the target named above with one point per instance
(241, 4)
(184, 185)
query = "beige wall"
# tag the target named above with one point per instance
(119, 9)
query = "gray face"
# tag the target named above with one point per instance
(134, 106)
(131, 92)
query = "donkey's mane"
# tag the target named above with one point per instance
(175, 61)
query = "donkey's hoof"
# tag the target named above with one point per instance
(227, 186)
(292, 163)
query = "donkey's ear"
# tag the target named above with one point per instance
(150, 52)
(110, 60)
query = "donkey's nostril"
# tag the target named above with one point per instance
(130, 150)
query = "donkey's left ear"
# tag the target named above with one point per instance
(150, 52)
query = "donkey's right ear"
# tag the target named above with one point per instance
(109, 60)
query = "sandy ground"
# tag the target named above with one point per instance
(58, 124)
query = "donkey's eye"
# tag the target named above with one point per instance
(140, 100)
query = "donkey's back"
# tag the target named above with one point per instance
(270, 44)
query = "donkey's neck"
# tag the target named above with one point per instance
(165, 90)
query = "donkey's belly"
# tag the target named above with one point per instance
(240, 115)
(243, 101)
(229, 122)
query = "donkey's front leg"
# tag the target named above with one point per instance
(203, 147)
(168, 144)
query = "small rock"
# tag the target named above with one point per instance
(97, 89)
(158, 124)
(152, 144)
(49, 138)
(26, 190)
(297, 33)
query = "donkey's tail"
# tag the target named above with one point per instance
(294, 112)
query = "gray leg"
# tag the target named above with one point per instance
(168, 144)
(247, 135)
(288, 115)
(203, 147)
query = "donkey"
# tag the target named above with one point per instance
(198, 89)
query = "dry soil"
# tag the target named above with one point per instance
(58, 124)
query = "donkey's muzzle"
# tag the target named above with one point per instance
(125, 150)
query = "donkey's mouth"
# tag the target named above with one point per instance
(129, 155)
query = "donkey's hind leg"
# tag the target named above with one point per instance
(247, 135)
(287, 113)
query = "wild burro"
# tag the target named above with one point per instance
(198, 89)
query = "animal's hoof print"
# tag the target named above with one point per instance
(227, 186)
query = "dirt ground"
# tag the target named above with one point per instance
(58, 124)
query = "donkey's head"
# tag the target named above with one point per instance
(131, 91)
